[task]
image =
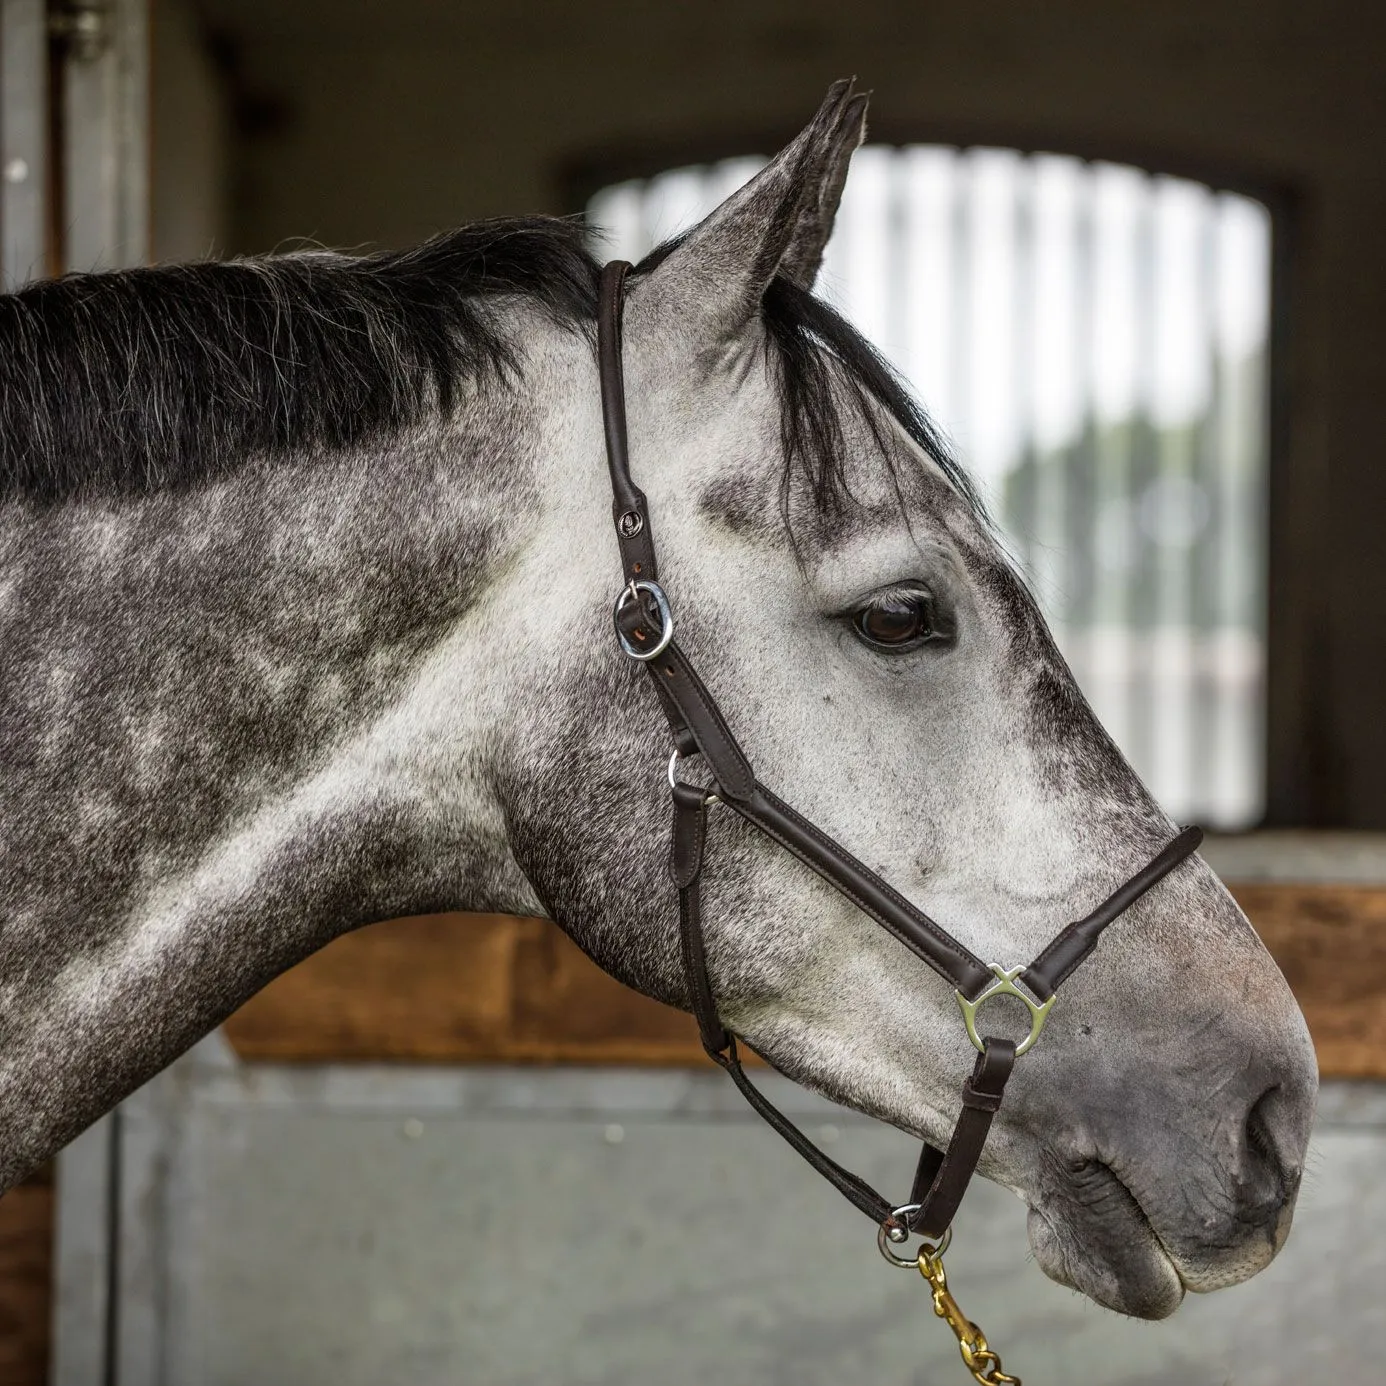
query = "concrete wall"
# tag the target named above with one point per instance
(350, 1226)
(380, 124)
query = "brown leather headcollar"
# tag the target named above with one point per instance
(644, 623)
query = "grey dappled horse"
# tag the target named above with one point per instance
(305, 591)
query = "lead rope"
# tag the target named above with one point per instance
(645, 631)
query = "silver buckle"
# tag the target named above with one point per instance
(1004, 985)
(629, 593)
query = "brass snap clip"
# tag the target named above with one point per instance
(978, 1357)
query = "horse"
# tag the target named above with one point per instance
(305, 623)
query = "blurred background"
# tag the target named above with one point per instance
(1129, 258)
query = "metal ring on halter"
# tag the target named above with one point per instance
(630, 593)
(710, 797)
(1004, 985)
(900, 1219)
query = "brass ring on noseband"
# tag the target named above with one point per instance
(897, 1230)
(1004, 985)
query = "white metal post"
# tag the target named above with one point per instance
(106, 135)
(23, 140)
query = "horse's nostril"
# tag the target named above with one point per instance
(1267, 1165)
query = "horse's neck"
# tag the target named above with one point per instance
(215, 706)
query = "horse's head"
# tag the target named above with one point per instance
(890, 676)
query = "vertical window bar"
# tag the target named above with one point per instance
(1141, 615)
(1244, 269)
(960, 307)
(1205, 616)
(1084, 513)
(1041, 325)
(24, 149)
(932, 329)
(1163, 504)
(1026, 483)
(1113, 304)
(896, 263)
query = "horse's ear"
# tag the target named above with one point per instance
(823, 189)
(777, 224)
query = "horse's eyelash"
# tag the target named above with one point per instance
(905, 588)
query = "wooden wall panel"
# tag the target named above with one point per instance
(1330, 941)
(487, 988)
(26, 1264)
(458, 988)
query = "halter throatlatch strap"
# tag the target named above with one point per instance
(942, 1176)
(644, 626)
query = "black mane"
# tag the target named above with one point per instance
(137, 380)
(140, 379)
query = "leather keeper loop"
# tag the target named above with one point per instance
(689, 835)
(980, 1101)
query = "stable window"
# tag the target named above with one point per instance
(1094, 339)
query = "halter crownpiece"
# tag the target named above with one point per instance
(644, 621)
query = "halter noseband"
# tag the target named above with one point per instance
(645, 630)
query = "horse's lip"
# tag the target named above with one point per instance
(1157, 1241)
(1066, 1207)
(1141, 1215)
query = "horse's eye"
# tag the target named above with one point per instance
(896, 620)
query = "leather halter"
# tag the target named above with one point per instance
(645, 628)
